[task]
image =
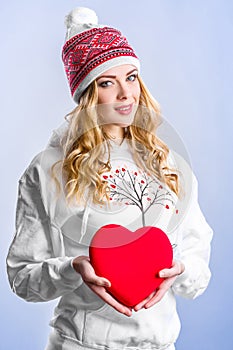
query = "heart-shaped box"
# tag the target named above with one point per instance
(130, 260)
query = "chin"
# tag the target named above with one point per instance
(126, 122)
(121, 125)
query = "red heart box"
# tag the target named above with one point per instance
(130, 260)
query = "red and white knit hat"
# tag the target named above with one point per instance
(91, 49)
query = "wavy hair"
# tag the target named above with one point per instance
(86, 142)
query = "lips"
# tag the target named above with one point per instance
(124, 109)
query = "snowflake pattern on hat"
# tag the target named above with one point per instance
(87, 50)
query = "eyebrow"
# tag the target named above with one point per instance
(114, 76)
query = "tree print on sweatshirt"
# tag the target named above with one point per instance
(138, 188)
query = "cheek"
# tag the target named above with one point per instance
(137, 92)
(104, 96)
(105, 112)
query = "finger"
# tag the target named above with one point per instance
(98, 281)
(161, 291)
(89, 275)
(158, 296)
(143, 302)
(176, 269)
(104, 295)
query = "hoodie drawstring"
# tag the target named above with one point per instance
(84, 221)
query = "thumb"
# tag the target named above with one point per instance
(98, 281)
(101, 281)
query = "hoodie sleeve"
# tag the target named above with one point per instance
(35, 274)
(195, 237)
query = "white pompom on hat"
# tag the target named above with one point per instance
(91, 49)
(79, 20)
(81, 15)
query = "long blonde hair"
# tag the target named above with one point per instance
(84, 163)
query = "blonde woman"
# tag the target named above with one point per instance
(105, 165)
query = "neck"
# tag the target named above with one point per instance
(114, 132)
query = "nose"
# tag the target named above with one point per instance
(124, 91)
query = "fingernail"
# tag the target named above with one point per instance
(161, 274)
(102, 284)
(106, 283)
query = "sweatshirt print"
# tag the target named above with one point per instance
(136, 198)
(49, 234)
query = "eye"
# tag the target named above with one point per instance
(132, 77)
(105, 83)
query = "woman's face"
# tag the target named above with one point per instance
(118, 95)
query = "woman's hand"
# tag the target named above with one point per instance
(98, 284)
(169, 276)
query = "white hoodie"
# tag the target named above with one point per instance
(49, 234)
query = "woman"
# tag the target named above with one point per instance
(106, 165)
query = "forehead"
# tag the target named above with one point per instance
(123, 69)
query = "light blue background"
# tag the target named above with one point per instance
(186, 53)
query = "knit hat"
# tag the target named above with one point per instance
(91, 49)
